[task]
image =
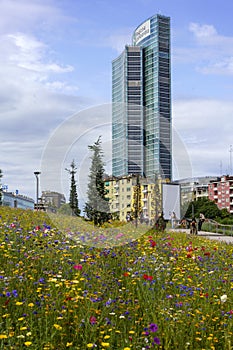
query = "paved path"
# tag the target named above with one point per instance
(211, 235)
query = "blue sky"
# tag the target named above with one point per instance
(56, 61)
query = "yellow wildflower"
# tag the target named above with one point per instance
(28, 343)
(3, 336)
(57, 326)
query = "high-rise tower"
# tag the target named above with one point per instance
(141, 96)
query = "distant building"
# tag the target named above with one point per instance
(221, 192)
(195, 188)
(15, 200)
(52, 199)
(120, 192)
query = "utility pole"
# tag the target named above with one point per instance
(37, 173)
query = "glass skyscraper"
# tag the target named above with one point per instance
(141, 103)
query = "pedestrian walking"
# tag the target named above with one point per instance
(200, 221)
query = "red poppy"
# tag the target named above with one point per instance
(152, 243)
(147, 277)
(92, 320)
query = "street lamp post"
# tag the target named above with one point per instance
(37, 173)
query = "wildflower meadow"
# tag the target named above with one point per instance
(159, 290)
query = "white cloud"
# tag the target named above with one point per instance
(24, 15)
(29, 53)
(224, 67)
(35, 93)
(118, 41)
(203, 32)
(203, 125)
(211, 52)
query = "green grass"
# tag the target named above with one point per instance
(158, 291)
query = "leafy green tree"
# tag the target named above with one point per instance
(65, 209)
(225, 214)
(97, 206)
(73, 200)
(210, 211)
(205, 206)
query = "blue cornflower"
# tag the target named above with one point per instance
(15, 293)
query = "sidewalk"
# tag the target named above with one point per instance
(211, 235)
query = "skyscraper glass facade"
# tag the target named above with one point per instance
(141, 96)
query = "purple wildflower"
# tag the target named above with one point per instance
(157, 341)
(153, 327)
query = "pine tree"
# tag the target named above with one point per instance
(73, 200)
(0, 187)
(97, 206)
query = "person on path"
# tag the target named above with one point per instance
(193, 226)
(200, 221)
(173, 219)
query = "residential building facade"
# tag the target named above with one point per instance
(195, 188)
(52, 199)
(221, 192)
(141, 97)
(120, 193)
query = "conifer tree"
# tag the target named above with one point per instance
(73, 200)
(97, 206)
